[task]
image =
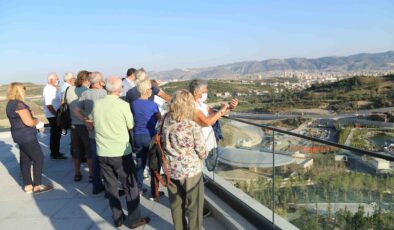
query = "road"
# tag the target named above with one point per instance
(335, 116)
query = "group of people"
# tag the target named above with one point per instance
(110, 120)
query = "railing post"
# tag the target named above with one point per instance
(273, 176)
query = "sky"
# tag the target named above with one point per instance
(38, 37)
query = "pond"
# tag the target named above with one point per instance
(382, 139)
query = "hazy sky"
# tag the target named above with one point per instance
(37, 37)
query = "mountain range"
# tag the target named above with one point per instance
(354, 63)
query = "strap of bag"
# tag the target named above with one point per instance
(65, 95)
(164, 160)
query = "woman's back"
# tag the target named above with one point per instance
(184, 146)
(20, 132)
(144, 112)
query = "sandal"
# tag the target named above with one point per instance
(28, 189)
(42, 189)
(140, 222)
(77, 177)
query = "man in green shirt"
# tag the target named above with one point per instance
(112, 121)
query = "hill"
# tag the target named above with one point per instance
(346, 95)
(353, 63)
(32, 90)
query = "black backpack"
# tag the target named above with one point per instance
(63, 117)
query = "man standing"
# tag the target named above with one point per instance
(112, 122)
(128, 82)
(84, 111)
(69, 80)
(51, 102)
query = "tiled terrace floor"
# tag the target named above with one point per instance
(71, 205)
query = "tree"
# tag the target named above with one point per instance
(358, 220)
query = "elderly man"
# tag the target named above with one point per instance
(84, 111)
(51, 102)
(69, 80)
(112, 122)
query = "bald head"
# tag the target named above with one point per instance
(114, 85)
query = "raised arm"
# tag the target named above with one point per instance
(163, 95)
(209, 120)
(199, 142)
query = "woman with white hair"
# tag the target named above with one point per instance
(23, 131)
(146, 114)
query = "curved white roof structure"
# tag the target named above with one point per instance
(251, 158)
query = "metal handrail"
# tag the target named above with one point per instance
(366, 152)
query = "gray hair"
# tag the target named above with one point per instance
(68, 76)
(141, 75)
(197, 84)
(51, 76)
(95, 78)
(113, 84)
(142, 86)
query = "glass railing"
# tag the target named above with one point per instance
(304, 179)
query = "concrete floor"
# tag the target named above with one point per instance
(71, 205)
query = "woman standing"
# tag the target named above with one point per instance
(23, 131)
(184, 147)
(205, 115)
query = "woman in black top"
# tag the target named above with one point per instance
(23, 131)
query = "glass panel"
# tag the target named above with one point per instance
(371, 137)
(245, 162)
(322, 187)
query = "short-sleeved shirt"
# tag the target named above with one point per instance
(73, 95)
(20, 132)
(144, 112)
(86, 102)
(112, 121)
(50, 96)
(208, 132)
(133, 94)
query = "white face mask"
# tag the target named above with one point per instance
(57, 82)
(204, 97)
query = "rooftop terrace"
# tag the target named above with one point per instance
(71, 205)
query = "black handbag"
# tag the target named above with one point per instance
(63, 117)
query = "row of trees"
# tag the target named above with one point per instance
(344, 219)
(327, 182)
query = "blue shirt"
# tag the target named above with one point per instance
(144, 113)
(20, 132)
(133, 94)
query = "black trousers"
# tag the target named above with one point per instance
(30, 152)
(56, 133)
(122, 169)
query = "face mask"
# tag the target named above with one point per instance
(204, 97)
(57, 82)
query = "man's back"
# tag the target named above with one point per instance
(87, 99)
(112, 121)
(73, 95)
